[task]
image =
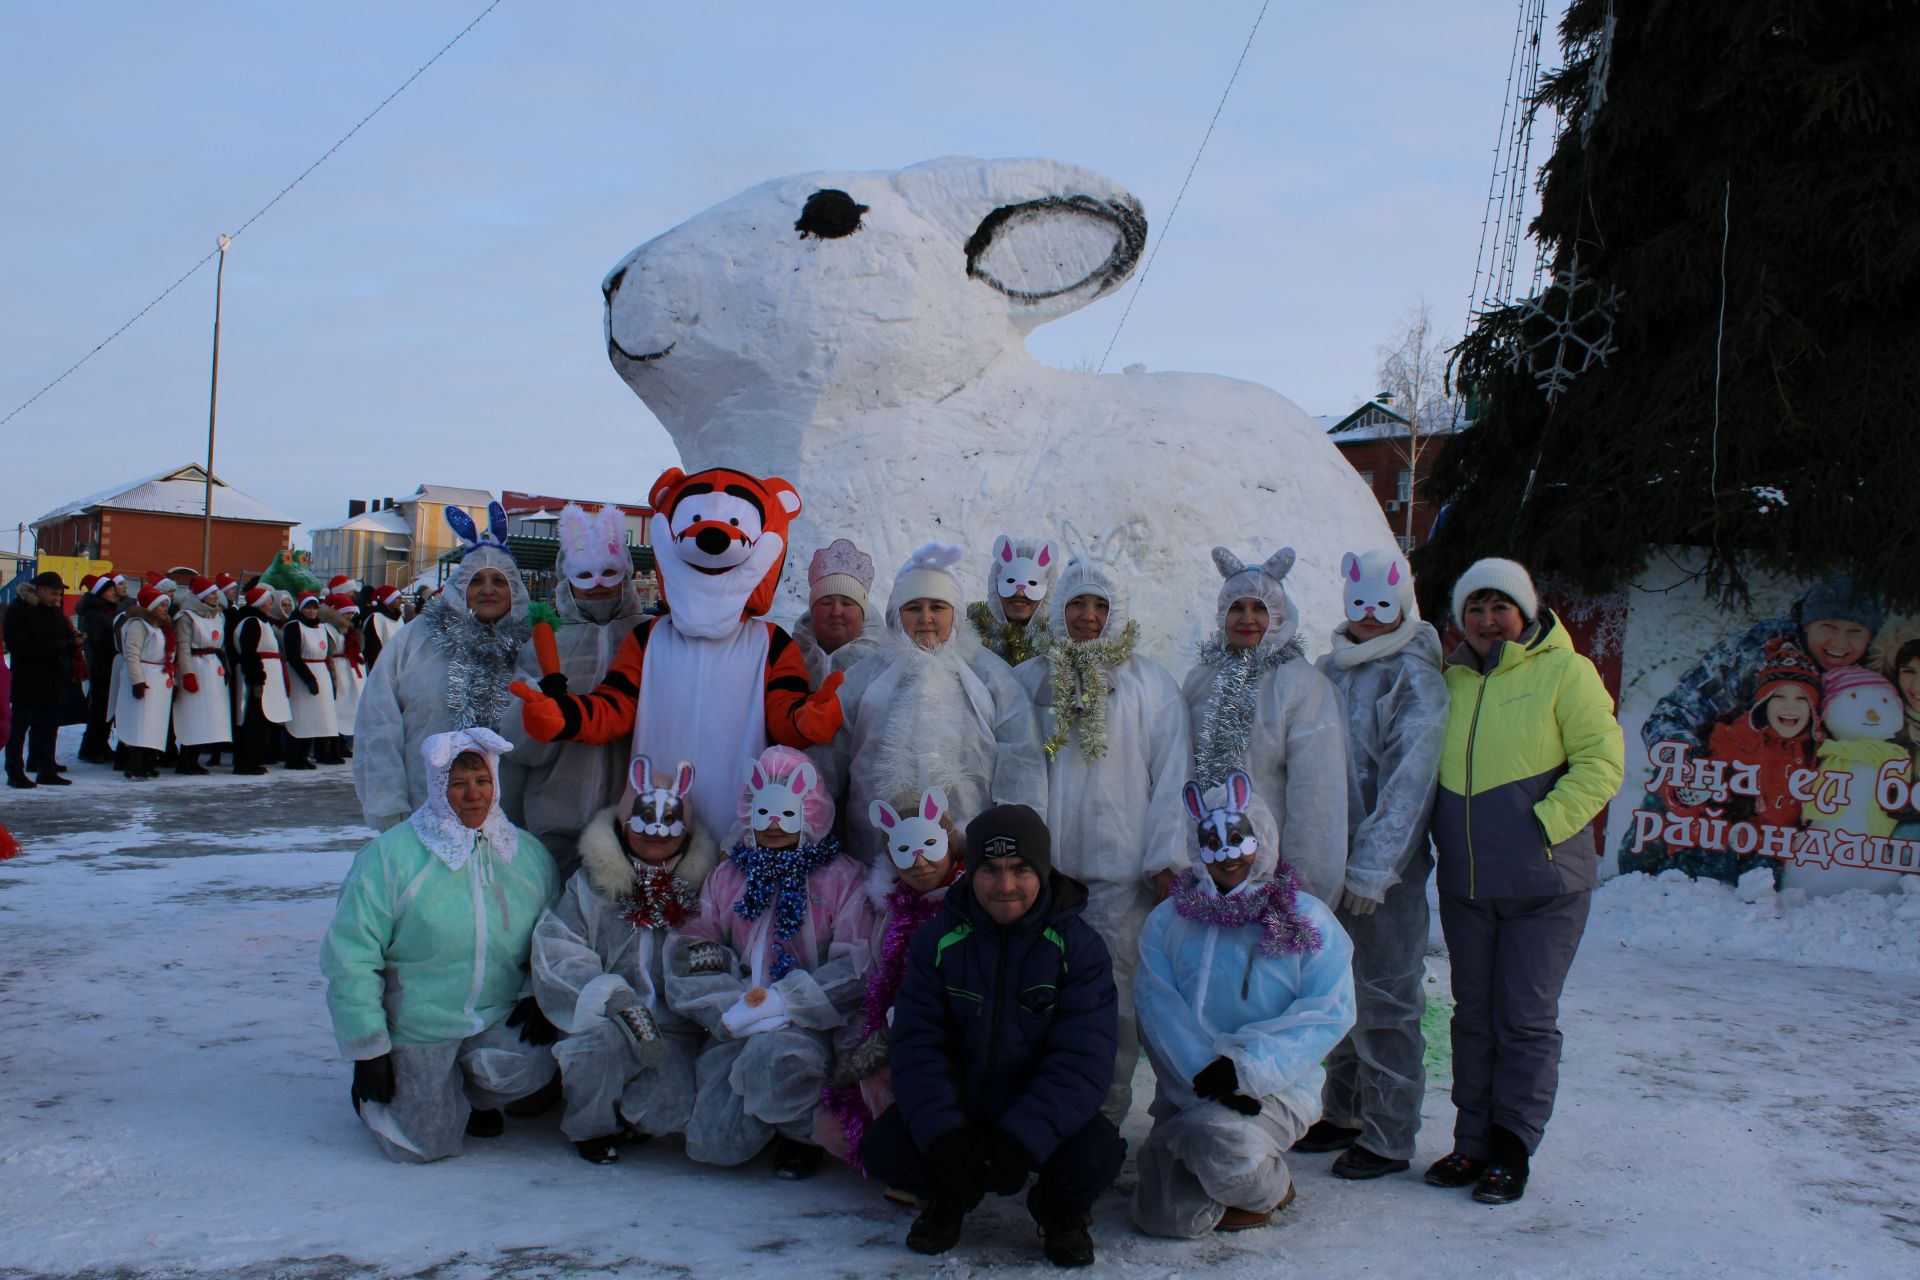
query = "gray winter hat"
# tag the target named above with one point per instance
(1834, 600)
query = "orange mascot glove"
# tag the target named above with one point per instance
(541, 715)
(819, 717)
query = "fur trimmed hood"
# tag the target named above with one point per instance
(609, 869)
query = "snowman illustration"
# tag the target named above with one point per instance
(1861, 711)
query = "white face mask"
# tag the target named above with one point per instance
(918, 835)
(779, 804)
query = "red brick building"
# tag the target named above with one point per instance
(1378, 442)
(156, 523)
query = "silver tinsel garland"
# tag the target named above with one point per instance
(1078, 669)
(1226, 724)
(480, 659)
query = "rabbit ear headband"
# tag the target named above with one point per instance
(463, 528)
(918, 835)
(1225, 833)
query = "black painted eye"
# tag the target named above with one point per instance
(735, 522)
(830, 214)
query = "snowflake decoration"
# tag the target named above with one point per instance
(1567, 337)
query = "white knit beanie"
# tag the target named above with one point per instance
(1508, 577)
(928, 574)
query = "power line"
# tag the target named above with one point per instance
(189, 273)
(1168, 224)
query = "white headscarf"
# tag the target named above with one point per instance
(438, 826)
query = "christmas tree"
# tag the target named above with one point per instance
(1726, 352)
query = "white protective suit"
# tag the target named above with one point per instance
(445, 670)
(554, 788)
(952, 717)
(1396, 705)
(585, 951)
(1267, 711)
(1207, 991)
(1116, 819)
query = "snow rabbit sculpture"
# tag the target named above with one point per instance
(864, 335)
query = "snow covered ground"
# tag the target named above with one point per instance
(173, 1105)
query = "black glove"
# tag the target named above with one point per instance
(952, 1158)
(554, 685)
(533, 1024)
(310, 680)
(1216, 1080)
(373, 1080)
(140, 690)
(1001, 1163)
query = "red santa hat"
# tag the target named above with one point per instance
(342, 603)
(306, 598)
(150, 595)
(223, 580)
(87, 581)
(257, 594)
(102, 582)
(341, 584)
(385, 594)
(203, 587)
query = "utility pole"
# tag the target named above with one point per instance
(213, 407)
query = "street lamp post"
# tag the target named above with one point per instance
(213, 406)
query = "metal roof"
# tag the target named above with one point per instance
(179, 492)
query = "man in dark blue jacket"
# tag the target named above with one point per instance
(1004, 1034)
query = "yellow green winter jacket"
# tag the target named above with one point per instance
(1532, 754)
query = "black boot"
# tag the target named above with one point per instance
(598, 1150)
(486, 1124)
(937, 1229)
(1455, 1171)
(1325, 1135)
(190, 765)
(1066, 1238)
(1357, 1164)
(1506, 1178)
(795, 1160)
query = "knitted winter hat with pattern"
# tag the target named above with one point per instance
(1508, 577)
(1785, 663)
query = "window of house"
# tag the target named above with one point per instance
(1405, 540)
(1366, 478)
(1404, 489)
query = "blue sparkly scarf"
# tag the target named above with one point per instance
(779, 877)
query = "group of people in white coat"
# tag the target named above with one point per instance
(755, 847)
(196, 666)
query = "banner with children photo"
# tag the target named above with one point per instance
(1789, 743)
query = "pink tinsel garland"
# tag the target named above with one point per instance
(907, 910)
(1283, 930)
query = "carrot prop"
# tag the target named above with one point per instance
(546, 647)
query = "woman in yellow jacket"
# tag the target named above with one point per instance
(1532, 755)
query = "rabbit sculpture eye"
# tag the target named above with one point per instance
(917, 835)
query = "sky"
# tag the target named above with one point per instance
(425, 306)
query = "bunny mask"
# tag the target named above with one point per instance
(1225, 833)
(784, 793)
(1371, 592)
(1023, 568)
(919, 834)
(659, 811)
(593, 558)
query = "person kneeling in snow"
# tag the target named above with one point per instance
(1004, 1032)
(426, 961)
(1244, 987)
(774, 964)
(626, 1061)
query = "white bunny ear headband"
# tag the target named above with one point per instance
(593, 549)
(1225, 833)
(659, 811)
(918, 835)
